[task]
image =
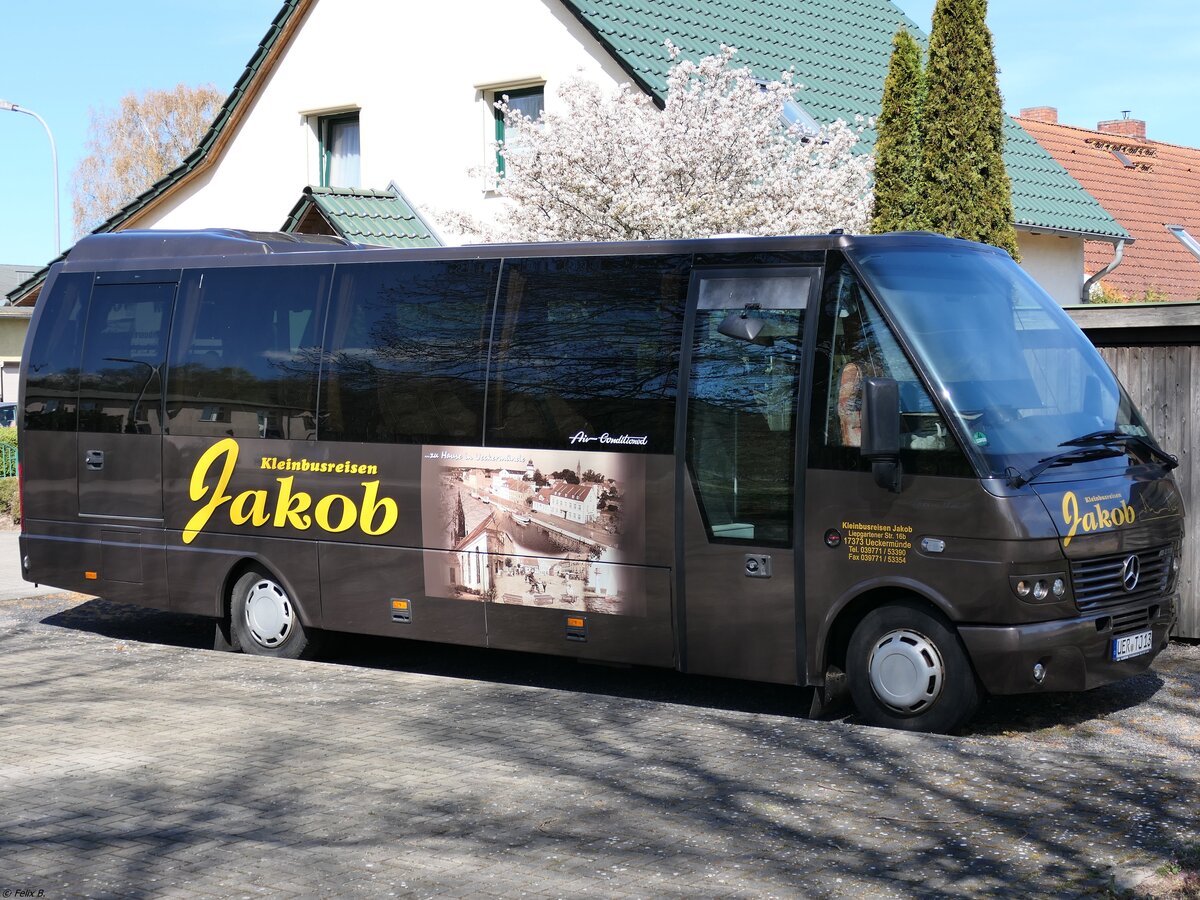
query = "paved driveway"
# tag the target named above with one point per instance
(133, 762)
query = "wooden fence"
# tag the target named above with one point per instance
(1155, 351)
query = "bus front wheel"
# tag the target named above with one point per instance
(265, 620)
(907, 669)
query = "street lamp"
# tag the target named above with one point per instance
(4, 104)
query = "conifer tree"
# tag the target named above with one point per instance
(966, 189)
(898, 144)
(460, 521)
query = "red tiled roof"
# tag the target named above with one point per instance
(578, 492)
(1160, 188)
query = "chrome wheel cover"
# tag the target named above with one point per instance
(269, 613)
(906, 671)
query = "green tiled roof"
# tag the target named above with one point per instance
(382, 218)
(839, 52)
(1045, 195)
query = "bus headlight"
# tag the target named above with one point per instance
(1040, 588)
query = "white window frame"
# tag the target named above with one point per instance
(488, 94)
(1181, 234)
(317, 120)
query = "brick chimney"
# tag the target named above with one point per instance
(1047, 114)
(1130, 128)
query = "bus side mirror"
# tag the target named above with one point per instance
(881, 430)
(740, 326)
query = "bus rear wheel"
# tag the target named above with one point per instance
(265, 620)
(907, 669)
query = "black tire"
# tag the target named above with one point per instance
(265, 621)
(907, 669)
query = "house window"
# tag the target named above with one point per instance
(1182, 235)
(339, 150)
(795, 115)
(528, 101)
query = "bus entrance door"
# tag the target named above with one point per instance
(120, 396)
(738, 514)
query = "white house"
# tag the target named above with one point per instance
(541, 501)
(575, 502)
(511, 486)
(365, 117)
(413, 105)
(471, 571)
(474, 556)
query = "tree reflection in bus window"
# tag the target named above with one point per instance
(120, 381)
(52, 364)
(743, 397)
(407, 352)
(245, 352)
(587, 347)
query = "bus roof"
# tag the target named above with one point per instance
(169, 249)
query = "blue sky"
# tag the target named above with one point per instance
(1090, 58)
(1093, 59)
(63, 58)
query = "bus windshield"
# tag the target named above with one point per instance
(1026, 385)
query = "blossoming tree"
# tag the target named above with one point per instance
(718, 158)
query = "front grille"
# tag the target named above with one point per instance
(1098, 582)
(1138, 620)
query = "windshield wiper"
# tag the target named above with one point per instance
(1110, 436)
(1087, 447)
(1069, 457)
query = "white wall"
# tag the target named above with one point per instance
(414, 71)
(1056, 263)
(418, 73)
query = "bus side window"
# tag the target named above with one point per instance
(586, 347)
(52, 366)
(855, 343)
(407, 352)
(743, 396)
(120, 381)
(245, 352)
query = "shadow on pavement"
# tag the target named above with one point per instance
(1023, 713)
(134, 623)
(1013, 715)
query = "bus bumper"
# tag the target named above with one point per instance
(1075, 654)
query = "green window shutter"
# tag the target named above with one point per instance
(499, 139)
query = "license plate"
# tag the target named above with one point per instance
(1132, 645)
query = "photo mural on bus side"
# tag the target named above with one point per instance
(544, 528)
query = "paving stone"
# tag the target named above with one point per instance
(139, 767)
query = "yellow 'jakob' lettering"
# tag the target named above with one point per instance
(1098, 518)
(197, 488)
(321, 513)
(333, 513)
(257, 513)
(289, 508)
(371, 505)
